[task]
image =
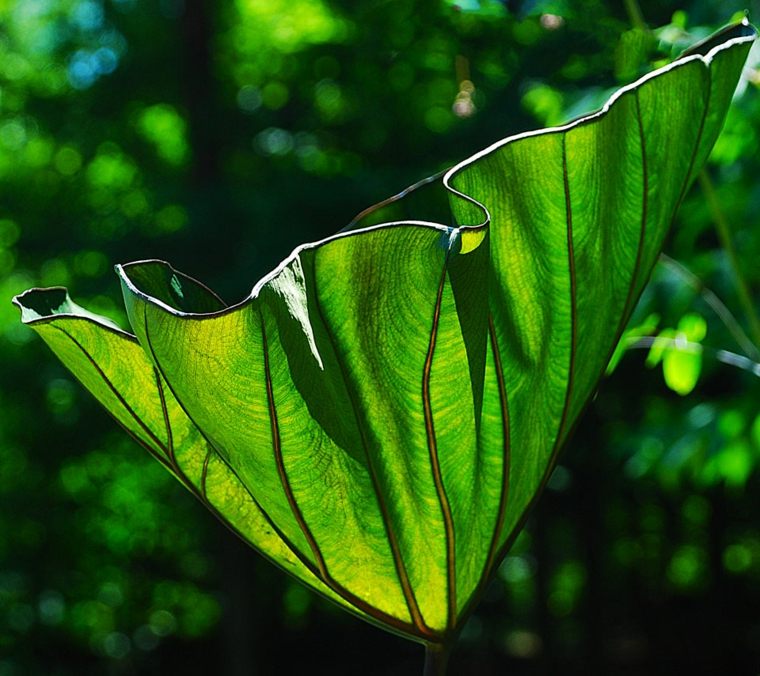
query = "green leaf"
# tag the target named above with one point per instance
(382, 411)
(659, 347)
(680, 352)
(682, 361)
(693, 327)
(681, 367)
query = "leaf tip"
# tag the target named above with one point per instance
(471, 239)
(39, 304)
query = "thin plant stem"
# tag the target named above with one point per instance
(724, 356)
(436, 660)
(716, 304)
(635, 15)
(724, 235)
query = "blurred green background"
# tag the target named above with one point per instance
(218, 136)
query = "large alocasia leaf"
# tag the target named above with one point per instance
(378, 416)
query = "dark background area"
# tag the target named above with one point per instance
(218, 136)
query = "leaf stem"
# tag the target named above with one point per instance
(635, 15)
(436, 659)
(724, 235)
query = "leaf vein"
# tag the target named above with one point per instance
(279, 461)
(506, 463)
(448, 520)
(159, 444)
(414, 612)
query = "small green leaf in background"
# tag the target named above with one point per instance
(732, 464)
(545, 103)
(631, 53)
(680, 352)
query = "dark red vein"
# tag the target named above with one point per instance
(700, 132)
(165, 412)
(524, 517)
(354, 604)
(116, 392)
(630, 300)
(306, 562)
(644, 213)
(628, 305)
(282, 472)
(510, 540)
(422, 629)
(571, 365)
(495, 552)
(573, 304)
(435, 465)
(204, 472)
(504, 403)
(181, 474)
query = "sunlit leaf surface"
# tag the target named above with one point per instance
(378, 416)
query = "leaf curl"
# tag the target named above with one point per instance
(378, 416)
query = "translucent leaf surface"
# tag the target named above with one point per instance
(379, 415)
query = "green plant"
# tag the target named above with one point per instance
(382, 411)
